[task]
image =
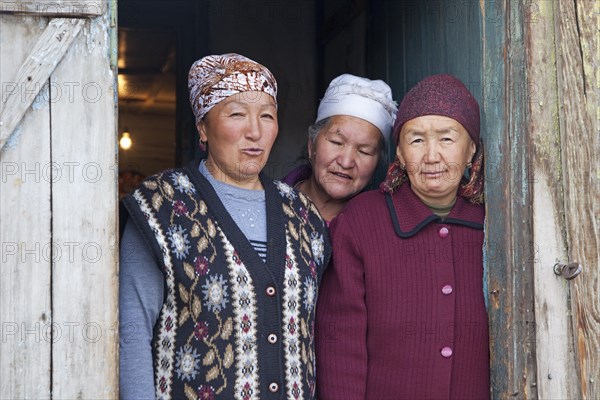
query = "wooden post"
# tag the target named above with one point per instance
(509, 252)
(84, 214)
(579, 113)
(554, 336)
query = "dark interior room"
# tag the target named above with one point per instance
(304, 43)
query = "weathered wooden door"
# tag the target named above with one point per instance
(58, 200)
(541, 109)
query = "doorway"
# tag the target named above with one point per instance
(147, 104)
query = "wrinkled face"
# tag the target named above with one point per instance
(345, 155)
(240, 132)
(435, 151)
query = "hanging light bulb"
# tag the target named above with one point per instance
(125, 141)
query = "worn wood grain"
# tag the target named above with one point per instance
(578, 82)
(85, 287)
(54, 8)
(49, 49)
(509, 251)
(25, 237)
(553, 333)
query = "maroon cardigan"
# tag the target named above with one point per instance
(401, 312)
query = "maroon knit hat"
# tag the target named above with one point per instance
(442, 95)
(446, 96)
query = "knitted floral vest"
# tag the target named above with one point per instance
(232, 326)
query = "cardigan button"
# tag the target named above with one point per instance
(272, 338)
(443, 232)
(447, 289)
(273, 387)
(446, 352)
(270, 291)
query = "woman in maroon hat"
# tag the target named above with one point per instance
(401, 312)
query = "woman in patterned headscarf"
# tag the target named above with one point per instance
(219, 264)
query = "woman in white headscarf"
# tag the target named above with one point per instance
(346, 143)
(219, 264)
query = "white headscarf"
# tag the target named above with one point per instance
(370, 100)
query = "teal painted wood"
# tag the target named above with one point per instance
(433, 37)
(510, 253)
(410, 40)
(426, 38)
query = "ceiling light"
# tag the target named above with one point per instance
(125, 141)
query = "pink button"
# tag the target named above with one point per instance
(447, 289)
(443, 232)
(446, 352)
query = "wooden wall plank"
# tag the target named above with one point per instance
(54, 8)
(579, 84)
(25, 239)
(49, 49)
(85, 291)
(509, 252)
(554, 336)
(430, 37)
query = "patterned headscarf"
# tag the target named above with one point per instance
(214, 78)
(447, 96)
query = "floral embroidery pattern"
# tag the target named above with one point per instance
(179, 241)
(310, 294)
(179, 208)
(187, 363)
(244, 310)
(201, 330)
(215, 293)
(182, 183)
(207, 335)
(285, 190)
(166, 352)
(317, 245)
(313, 269)
(291, 331)
(206, 392)
(201, 266)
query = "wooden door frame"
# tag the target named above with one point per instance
(540, 99)
(509, 251)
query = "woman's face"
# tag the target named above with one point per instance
(344, 156)
(240, 132)
(435, 151)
